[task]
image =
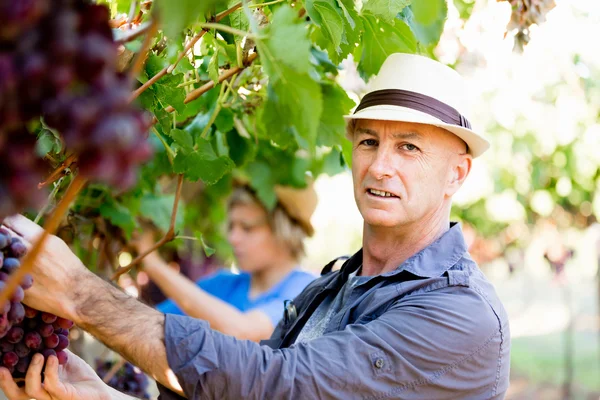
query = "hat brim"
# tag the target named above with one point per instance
(476, 142)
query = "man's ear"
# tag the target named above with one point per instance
(460, 169)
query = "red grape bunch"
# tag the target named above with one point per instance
(25, 331)
(58, 60)
(128, 379)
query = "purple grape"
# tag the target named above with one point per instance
(23, 364)
(4, 240)
(63, 342)
(52, 341)
(16, 313)
(10, 359)
(3, 275)
(5, 324)
(18, 295)
(62, 357)
(11, 264)
(17, 248)
(6, 346)
(45, 330)
(15, 334)
(30, 312)
(63, 323)
(27, 282)
(48, 318)
(33, 340)
(48, 352)
(22, 350)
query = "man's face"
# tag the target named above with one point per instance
(403, 172)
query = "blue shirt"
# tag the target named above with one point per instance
(433, 328)
(235, 288)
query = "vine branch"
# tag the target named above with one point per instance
(140, 59)
(170, 235)
(49, 228)
(57, 173)
(134, 33)
(169, 68)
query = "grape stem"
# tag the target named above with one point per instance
(225, 28)
(134, 33)
(140, 59)
(169, 68)
(169, 150)
(49, 201)
(49, 228)
(170, 235)
(113, 370)
(57, 173)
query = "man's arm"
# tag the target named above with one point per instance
(63, 286)
(445, 344)
(254, 325)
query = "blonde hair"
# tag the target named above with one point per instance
(286, 230)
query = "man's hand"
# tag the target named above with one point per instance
(58, 275)
(74, 381)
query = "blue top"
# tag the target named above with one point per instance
(433, 328)
(234, 289)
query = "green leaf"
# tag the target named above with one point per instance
(427, 23)
(287, 44)
(208, 251)
(382, 39)
(293, 109)
(347, 152)
(169, 94)
(261, 180)
(118, 215)
(464, 7)
(241, 150)
(326, 16)
(183, 139)
(179, 14)
(224, 120)
(202, 163)
(336, 104)
(387, 9)
(158, 209)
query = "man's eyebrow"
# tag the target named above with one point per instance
(367, 131)
(407, 135)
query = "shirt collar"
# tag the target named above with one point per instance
(432, 261)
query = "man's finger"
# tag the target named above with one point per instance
(33, 379)
(51, 378)
(24, 227)
(9, 386)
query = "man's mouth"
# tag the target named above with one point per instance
(380, 193)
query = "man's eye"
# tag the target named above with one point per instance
(410, 147)
(369, 142)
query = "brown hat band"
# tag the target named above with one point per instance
(415, 101)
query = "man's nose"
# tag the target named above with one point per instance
(383, 163)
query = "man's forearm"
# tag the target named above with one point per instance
(124, 324)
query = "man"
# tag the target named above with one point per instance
(409, 316)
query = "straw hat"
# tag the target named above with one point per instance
(417, 89)
(300, 204)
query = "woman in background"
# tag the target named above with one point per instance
(267, 247)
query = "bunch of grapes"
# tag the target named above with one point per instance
(25, 331)
(524, 14)
(58, 60)
(128, 379)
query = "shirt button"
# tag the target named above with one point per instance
(379, 363)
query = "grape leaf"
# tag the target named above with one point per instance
(213, 66)
(178, 14)
(336, 104)
(183, 139)
(262, 181)
(387, 10)
(241, 150)
(118, 215)
(286, 45)
(381, 39)
(224, 120)
(292, 109)
(325, 15)
(202, 163)
(158, 209)
(427, 23)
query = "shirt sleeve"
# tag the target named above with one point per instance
(424, 347)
